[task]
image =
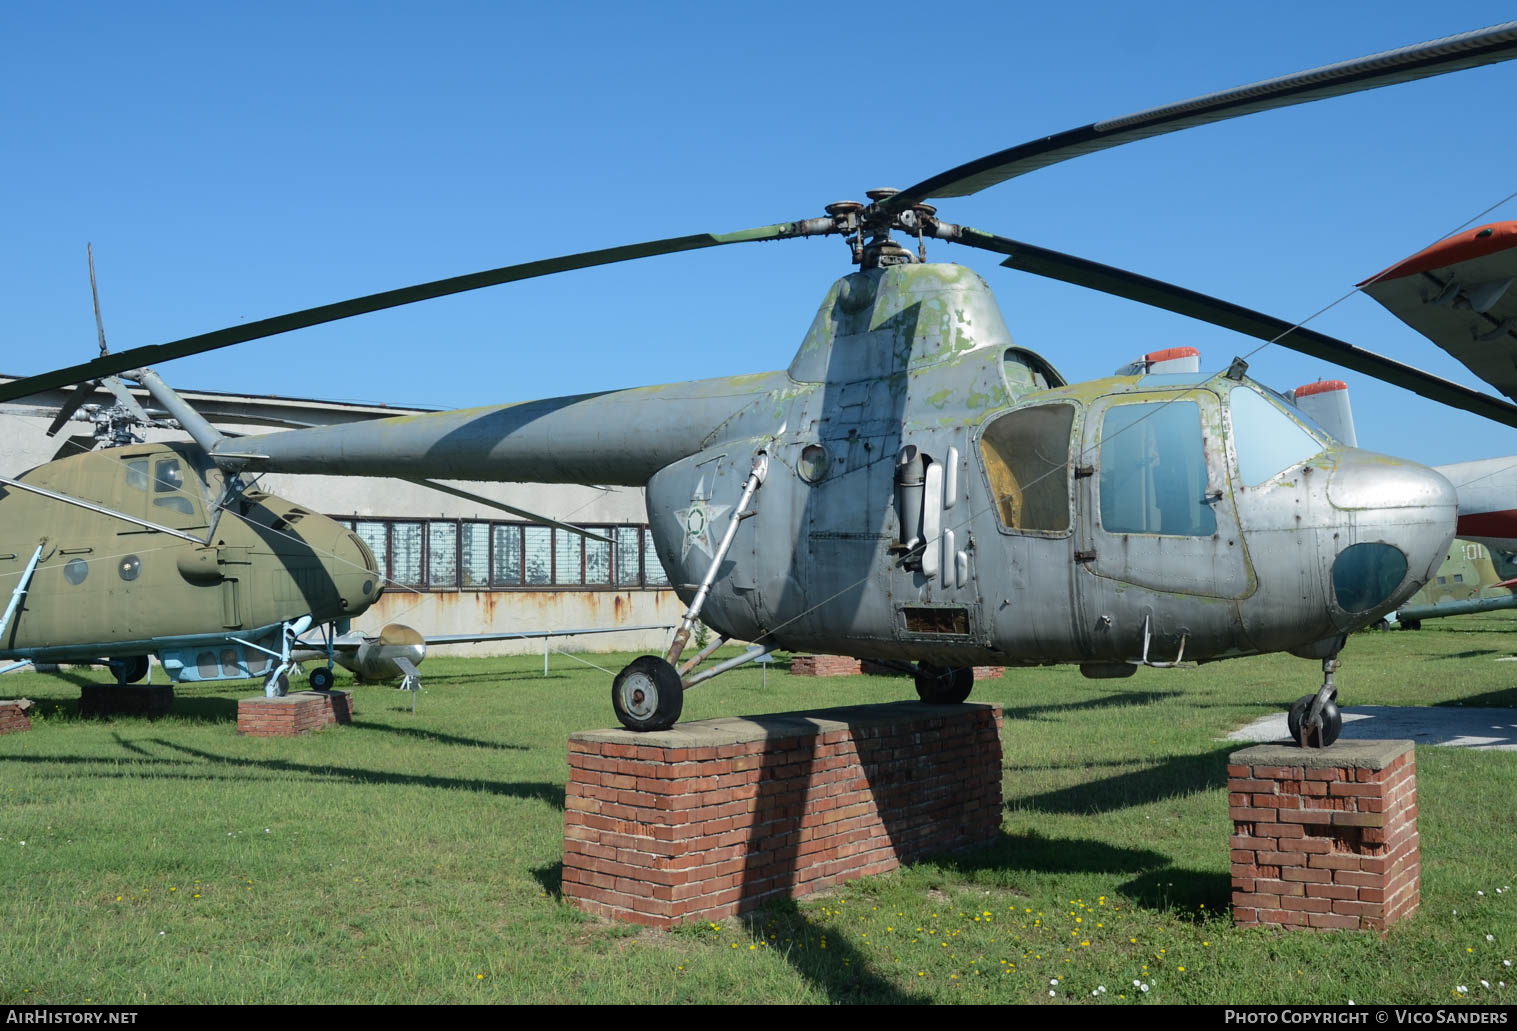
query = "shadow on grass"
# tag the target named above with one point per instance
(840, 971)
(436, 737)
(446, 679)
(1506, 698)
(201, 764)
(1118, 700)
(1190, 895)
(1033, 853)
(551, 877)
(209, 709)
(1473, 653)
(1184, 775)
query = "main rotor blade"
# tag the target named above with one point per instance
(71, 404)
(1081, 272)
(89, 250)
(1451, 53)
(152, 354)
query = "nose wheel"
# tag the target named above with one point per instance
(1314, 733)
(944, 685)
(1314, 720)
(647, 694)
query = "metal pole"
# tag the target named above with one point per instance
(546, 639)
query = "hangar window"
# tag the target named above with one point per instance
(474, 555)
(568, 558)
(452, 554)
(506, 570)
(442, 554)
(406, 542)
(539, 555)
(597, 562)
(628, 544)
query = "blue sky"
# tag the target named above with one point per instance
(235, 162)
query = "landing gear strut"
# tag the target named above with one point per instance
(649, 693)
(1314, 720)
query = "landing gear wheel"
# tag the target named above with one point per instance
(322, 679)
(647, 694)
(944, 685)
(131, 669)
(1327, 730)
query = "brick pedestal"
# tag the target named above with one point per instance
(131, 700)
(295, 713)
(824, 666)
(13, 717)
(1325, 837)
(708, 819)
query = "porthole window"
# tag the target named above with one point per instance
(813, 463)
(76, 570)
(130, 567)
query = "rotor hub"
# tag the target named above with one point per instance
(867, 228)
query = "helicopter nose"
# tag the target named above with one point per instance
(360, 583)
(1399, 519)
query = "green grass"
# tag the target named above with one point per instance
(416, 858)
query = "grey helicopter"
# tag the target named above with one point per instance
(915, 488)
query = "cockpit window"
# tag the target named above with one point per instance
(1153, 471)
(1027, 460)
(136, 474)
(1268, 441)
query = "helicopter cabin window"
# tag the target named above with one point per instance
(1268, 441)
(1153, 470)
(168, 486)
(1026, 457)
(136, 474)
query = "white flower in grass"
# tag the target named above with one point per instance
(1053, 980)
(1490, 937)
(1484, 983)
(1143, 987)
(1052, 993)
(1461, 989)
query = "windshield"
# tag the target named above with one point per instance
(1267, 440)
